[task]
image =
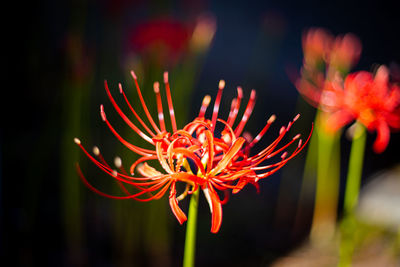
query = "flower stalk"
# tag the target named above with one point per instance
(352, 194)
(190, 239)
(355, 168)
(199, 156)
(327, 184)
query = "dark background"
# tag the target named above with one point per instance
(254, 45)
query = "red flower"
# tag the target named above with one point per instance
(165, 37)
(373, 101)
(198, 155)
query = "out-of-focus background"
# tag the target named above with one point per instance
(58, 54)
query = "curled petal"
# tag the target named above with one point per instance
(239, 186)
(228, 156)
(173, 203)
(383, 136)
(216, 211)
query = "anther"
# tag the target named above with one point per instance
(221, 84)
(166, 77)
(300, 143)
(206, 100)
(156, 87)
(271, 119)
(96, 151)
(102, 113)
(240, 92)
(118, 162)
(133, 75)
(77, 141)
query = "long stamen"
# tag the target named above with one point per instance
(204, 106)
(266, 151)
(238, 100)
(263, 131)
(280, 164)
(247, 113)
(96, 152)
(159, 106)
(221, 86)
(282, 132)
(118, 164)
(144, 104)
(300, 147)
(108, 170)
(139, 150)
(270, 155)
(284, 147)
(124, 117)
(134, 112)
(120, 167)
(85, 181)
(170, 104)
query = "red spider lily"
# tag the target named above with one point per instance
(373, 101)
(198, 155)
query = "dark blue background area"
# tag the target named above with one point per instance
(247, 51)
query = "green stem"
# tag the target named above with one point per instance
(355, 168)
(190, 241)
(349, 224)
(327, 185)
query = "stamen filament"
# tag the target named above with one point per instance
(217, 102)
(134, 112)
(159, 106)
(247, 113)
(146, 110)
(170, 104)
(138, 150)
(124, 117)
(232, 115)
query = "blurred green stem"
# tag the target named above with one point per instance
(327, 184)
(352, 192)
(190, 241)
(355, 168)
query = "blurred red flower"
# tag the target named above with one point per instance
(326, 84)
(165, 37)
(371, 100)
